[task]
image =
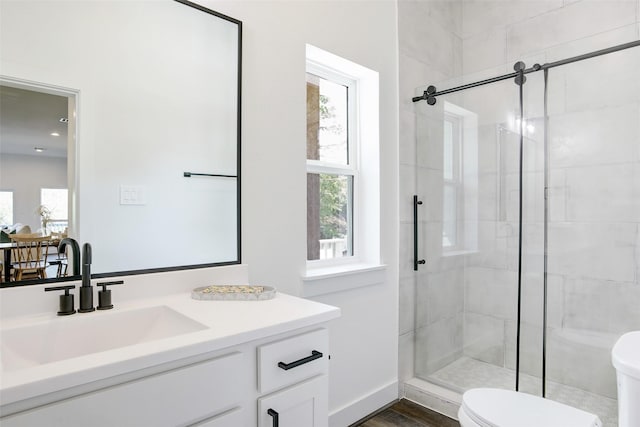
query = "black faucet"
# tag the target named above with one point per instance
(75, 253)
(86, 291)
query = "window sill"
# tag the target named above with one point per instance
(321, 281)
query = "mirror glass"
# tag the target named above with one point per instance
(122, 120)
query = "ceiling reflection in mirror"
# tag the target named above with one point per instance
(114, 102)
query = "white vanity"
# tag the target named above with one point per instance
(165, 360)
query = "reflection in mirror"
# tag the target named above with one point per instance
(150, 91)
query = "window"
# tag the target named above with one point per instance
(460, 180)
(6, 207)
(332, 169)
(343, 175)
(57, 202)
(452, 183)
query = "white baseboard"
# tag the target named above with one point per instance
(364, 406)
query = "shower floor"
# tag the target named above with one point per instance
(466, 373)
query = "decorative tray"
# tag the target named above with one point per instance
(233, 293)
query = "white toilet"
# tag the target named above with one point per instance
(626, 359)
(491, 407)
(488, 407)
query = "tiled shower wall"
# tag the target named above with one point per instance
(595, 244)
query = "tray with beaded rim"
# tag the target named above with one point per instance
(233, 293)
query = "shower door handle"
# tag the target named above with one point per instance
(416, 261)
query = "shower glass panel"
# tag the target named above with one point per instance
(594, 217)
(468, 179)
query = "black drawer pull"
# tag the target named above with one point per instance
(275, 416)
(314, 355)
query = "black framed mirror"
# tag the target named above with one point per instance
(150, 142)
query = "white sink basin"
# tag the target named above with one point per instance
(82, 334)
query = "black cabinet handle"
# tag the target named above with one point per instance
(274, 415)
(314, 355)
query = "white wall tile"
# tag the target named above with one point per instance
(407, 149)
(484, 15)
(593, 250)
(616, 73)
(530, 347)
(602, 306)
(492, 249)
(442, 297)
(407, 191)
(425, 37)
(484, 338)
(415, 72)
(484, 50)
(602, 193)
(491, 292)
(574, 21)
(593, 137)
(406, 353)
(407, 305)
(446, 12)
(437, 345)
(582, 360)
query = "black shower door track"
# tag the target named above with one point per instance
(431, 92)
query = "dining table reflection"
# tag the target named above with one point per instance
(33, 256)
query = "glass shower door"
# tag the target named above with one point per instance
(468, 147)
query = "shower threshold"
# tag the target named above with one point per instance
(437, 392)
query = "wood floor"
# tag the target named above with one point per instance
(408, 414)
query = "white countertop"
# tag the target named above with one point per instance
(228, 323)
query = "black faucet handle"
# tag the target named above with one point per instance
(105, 284)
(104, 296)
(66, 300)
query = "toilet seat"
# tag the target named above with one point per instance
(489, 407)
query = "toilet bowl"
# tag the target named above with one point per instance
(490, 407)
(625, 357)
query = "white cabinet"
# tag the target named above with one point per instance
(285, 374)
(302, 405)
(296, 366)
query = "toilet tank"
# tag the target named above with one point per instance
(626, 359)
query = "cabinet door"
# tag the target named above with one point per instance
(302, 405)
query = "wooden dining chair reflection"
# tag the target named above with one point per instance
(29, 256)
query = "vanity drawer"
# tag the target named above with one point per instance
(291, 360)
(176, 397)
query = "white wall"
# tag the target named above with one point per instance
(364, 340)
(25, 176)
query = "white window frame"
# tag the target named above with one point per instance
(468, 176)
(457, 180)
(351, 169)
(364, 268)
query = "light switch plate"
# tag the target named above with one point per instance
(132, 195)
